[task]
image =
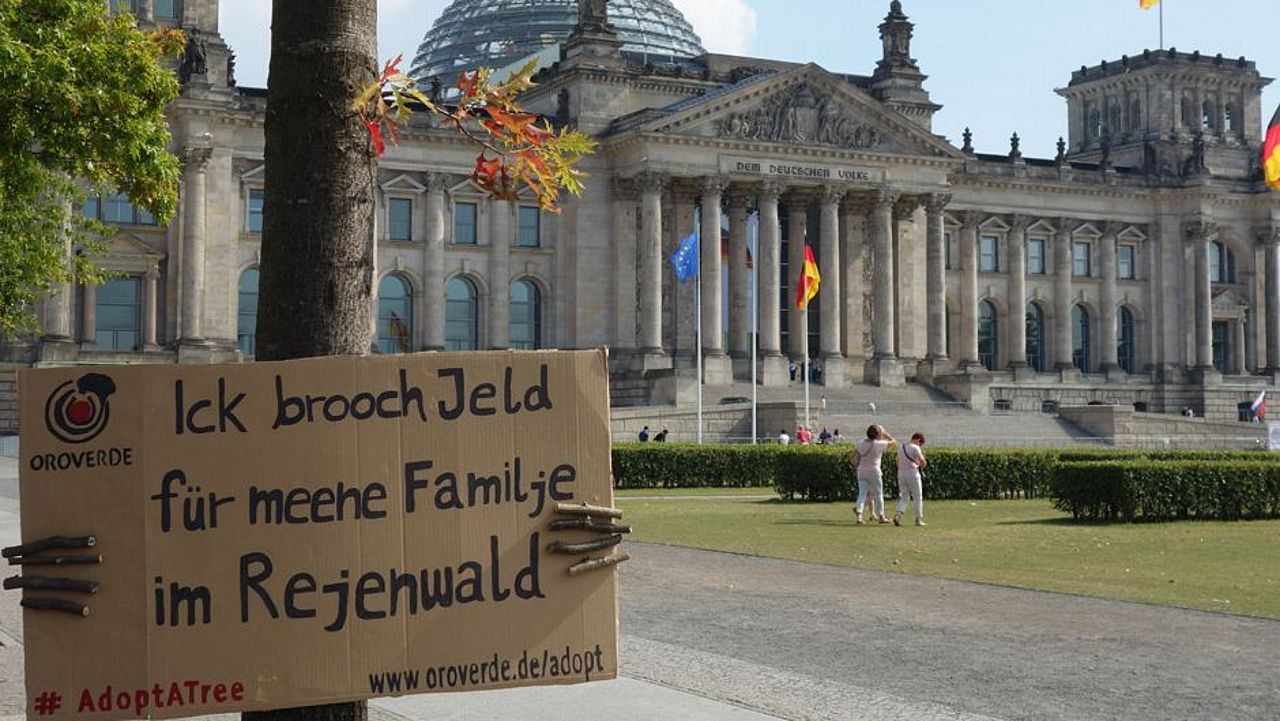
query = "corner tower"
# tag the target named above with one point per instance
(1170, 113)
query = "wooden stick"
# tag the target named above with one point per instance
(45, 544)
(56, 561)
(601, 544)
(585, 510)
(43, 583)
(593, 564)
(53, 604)
(586, 524)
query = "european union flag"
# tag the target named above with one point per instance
(686, 258)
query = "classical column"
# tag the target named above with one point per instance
(1237, 346)
(710, 266)
(1063, 349)
(797, 225)
(936, 275)
(57, 304)
(1017, 323)
(739, 277)
(500, 237)
(1108, 300)
(968, 346)
(650, 272)
(1200, 234)
(853, 222)
(433, 314)
(882, 262)
(193, 236)
(829, 267)
(624, 263)
(150, 307)
(89, 315)
(770, 270)
(1272, 239)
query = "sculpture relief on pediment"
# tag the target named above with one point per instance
(800, 114)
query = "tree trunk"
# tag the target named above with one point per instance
(317, 239)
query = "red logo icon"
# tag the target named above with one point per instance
(77, 411)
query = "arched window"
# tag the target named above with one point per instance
(988, 340)
(1188, 111)
(461, 315)
(119, 314)
(247, 312)
(1124, 340)
(1230, 118)
(1206, 115)
(1035, 338)
(1080, 338)
(1135, 115)
(1222, 263)
(1117, 124)
(526, 315)
(395, 315)
(1095, 123)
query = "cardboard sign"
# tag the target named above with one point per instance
(289, 534)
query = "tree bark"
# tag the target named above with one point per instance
(317, 245)
(316, 282)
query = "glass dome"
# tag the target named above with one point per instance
(496, 33)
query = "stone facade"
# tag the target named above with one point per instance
(1142, 263)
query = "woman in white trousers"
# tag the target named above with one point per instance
(911, 462)
(870, 478)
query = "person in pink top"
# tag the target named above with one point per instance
(910, 483)
(870, 478)
(804, 436)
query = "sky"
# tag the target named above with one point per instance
(992, 64)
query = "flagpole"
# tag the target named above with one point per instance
(698, 349)
(804, 329)
(755, 328)
(1162, 26)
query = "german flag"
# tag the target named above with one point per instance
(1271, 153)
(807, 288)
(1148, 4)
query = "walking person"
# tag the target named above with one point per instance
(868, 453)
(911, 463)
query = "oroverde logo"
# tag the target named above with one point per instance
(77, 411)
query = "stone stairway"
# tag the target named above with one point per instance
(903, 411)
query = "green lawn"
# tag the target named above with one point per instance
(1216, 566)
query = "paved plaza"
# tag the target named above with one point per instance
(735, 638)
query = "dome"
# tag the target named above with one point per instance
(496, 33)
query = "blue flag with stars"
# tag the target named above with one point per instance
(685, 259)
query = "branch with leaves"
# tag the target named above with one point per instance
(519, 149)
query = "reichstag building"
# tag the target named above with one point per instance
(1140, 265)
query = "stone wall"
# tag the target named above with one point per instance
(8, 401)
(720, 423)
(1129, 429)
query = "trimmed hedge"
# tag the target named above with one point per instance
(822, 473)
(1089, 484)
(1164, 490)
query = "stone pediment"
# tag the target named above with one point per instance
(805, 106)
(130, 245)
(1229, 300)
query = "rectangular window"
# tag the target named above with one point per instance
(166, 9)
(988, 254)
(1215, 264)
(1125, 262)
(92, 207)
(119, 314)
(400, 219)
(117, 209)
(1080, 256)
(464, 224)
(1035, 256)
(948, 239)
(530, 235)
(256, 198)
(121, 6)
